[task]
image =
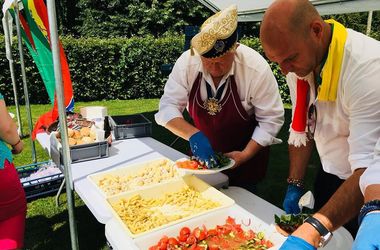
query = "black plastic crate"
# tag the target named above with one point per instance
(79, 153)
(42, 185)
(130, 126)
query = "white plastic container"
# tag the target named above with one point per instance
(93, 112)
(174, 186)
(131, 170)
(210, 220)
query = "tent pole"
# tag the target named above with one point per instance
(54, 43)
(369, 22)
(8, 48)
(26, 93)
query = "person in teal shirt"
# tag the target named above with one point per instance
(12, 195)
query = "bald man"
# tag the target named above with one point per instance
(333, 75)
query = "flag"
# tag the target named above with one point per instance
(35, 33)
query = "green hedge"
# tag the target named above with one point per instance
(104, 69)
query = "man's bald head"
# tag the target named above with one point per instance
(288, 17)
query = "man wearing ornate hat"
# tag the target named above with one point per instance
(333, 76)
(232, 98)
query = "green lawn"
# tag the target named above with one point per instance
(47, 226)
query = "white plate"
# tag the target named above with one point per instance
(203, 171)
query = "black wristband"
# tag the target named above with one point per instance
(322, 230)
(14, 145)
(373, 205)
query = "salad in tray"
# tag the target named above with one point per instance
(194, 165)
(228, 236)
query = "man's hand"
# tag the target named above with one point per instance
(293, 242)
(201, 148)
(368, 237)
(238, 156)
(293, 195)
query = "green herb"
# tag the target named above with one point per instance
(290, 222)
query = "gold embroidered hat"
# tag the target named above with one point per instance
(218, 34)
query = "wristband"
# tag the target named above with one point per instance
(369, 206)
(14, 145)
(295, 182)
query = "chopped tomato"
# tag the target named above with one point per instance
(191, 240)
(212, 232)
(189, 164)
(213, 247)
(230, 221)
(199, 234)
(269, 244)
(183, 238)
(164, 239)
(173, 241)
(249, 235)
(185, 231)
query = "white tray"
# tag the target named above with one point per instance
(130, 170)
(210, 220)
(159, 190)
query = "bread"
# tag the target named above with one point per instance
(93, 135)
(77, 134)
(85, 131)
(87, 139)
(72, 142)
(70, 132)
(80, 142)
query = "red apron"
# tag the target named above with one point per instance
(229, 130)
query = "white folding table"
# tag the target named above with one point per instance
(122, 153)
(126, 152)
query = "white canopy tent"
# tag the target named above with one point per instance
(253, 10)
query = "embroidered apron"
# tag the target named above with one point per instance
(229, 130)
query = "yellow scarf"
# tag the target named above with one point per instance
(331, 69)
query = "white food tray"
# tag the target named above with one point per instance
(132, 169)
(241, 216)
(170, 187)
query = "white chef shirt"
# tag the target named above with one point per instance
(347, 129)
(256, 85)
(372, 173)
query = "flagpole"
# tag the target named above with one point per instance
(8, 49)
(26, 93)
(62, 120)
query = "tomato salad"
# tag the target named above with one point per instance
(195, 164)
(229, 236)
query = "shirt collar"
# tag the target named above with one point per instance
(207, 77)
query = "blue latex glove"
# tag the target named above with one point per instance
(293, 243)
(293, 195)
(368, 234)
(201, 148)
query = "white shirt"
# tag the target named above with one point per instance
(347, 129)
(256, 85)
(372, 173)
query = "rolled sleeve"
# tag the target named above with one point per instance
(269, 110)
(364, 115)
(372, 174)
(263, 138)
(174, 100)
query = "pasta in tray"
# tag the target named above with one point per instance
(153, 173)
(141, 215)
